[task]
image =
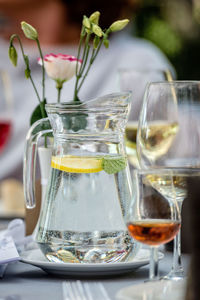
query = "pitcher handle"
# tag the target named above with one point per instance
(30, 152)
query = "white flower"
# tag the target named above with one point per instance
(60, 67)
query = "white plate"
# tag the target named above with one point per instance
(36, 258)
(158, 290)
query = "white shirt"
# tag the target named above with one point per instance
(124, 52)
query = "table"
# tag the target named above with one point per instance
(31, 283)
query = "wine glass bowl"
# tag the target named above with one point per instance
(153, 219)
(135, 80)
(169, 127)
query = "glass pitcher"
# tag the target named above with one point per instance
(89, 189)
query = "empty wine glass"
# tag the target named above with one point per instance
(153, 219)
(169, 136)
(135, 80)
(5, 109)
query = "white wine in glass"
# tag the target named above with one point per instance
(135, 80)
(163, 186)
(156, 140)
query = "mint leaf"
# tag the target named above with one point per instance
(112, 165)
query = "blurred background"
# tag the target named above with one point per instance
(171, 25)
(174, 27)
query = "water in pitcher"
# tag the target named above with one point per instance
(89, 190)
(87, 205)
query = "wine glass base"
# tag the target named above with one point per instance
(179, 275)
(152, 279)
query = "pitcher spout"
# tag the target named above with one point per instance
(109, 101)
(113, 101)
(104, 114)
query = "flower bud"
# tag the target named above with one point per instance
(106, 43)
(97, 30)
(27, 73)
(29, 31)
(94, 18)
(119, 25)
(86, 22)
(12, 53)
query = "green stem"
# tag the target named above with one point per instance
(78, 56)
(43, 69)
(45, 141)
(59, 93)
(79, 51)
(59, 85)
(84, 52)
(34, 87)
(43, 86)
(97, 51)
(20, 43)
(42, 111)
(85, 60)
(24, 57)
(78, 75)
(94, 54)
(81, 83)
(31, 78)
(75, 89)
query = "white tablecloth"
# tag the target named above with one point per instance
(31, 283)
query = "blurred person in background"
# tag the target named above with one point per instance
(58, 23)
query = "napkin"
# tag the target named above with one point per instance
(12, 242)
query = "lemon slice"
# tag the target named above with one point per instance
(77, 164)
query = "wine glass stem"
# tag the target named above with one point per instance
(153, 271)
(177, 264)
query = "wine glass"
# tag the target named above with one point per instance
(153, 219)
(135, 80)
(169, 136)
(5, 109)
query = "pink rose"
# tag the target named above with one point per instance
(60, 67)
